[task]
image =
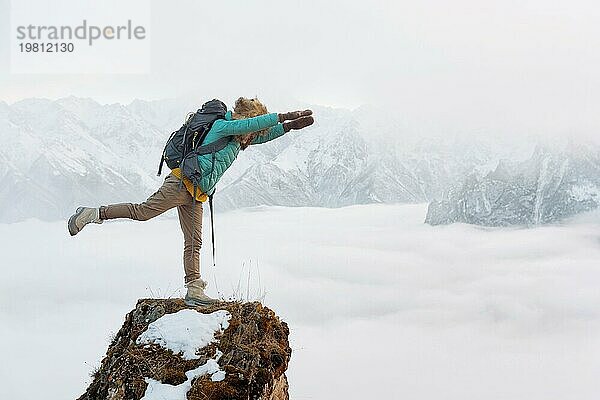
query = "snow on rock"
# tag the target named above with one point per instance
(157, 390)
(186, 331)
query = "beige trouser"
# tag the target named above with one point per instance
(169, 195)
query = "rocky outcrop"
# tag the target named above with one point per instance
(166, 350)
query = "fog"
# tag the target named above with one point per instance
(490, 67)
(379, 304)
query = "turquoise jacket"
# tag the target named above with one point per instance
(225, 157)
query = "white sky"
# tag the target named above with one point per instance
(469, 64)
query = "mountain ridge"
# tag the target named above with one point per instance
(60, 154)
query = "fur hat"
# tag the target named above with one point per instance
(248, 108)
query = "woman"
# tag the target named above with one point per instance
(249, 124)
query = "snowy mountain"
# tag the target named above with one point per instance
(56, 155)
(551, 185)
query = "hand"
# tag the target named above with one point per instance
(294, 115)
(298, 123)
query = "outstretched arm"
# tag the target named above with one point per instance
(280, 129)
(244, 126)
(236, 127)
(273, 133)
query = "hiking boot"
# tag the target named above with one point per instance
(195, 294)
(82, 217)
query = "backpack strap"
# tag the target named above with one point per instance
(213, 147)
(212, 226)
(212, 223)
(162, 158)
(194, 221)
(162, 161)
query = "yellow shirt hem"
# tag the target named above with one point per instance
(190, 186)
